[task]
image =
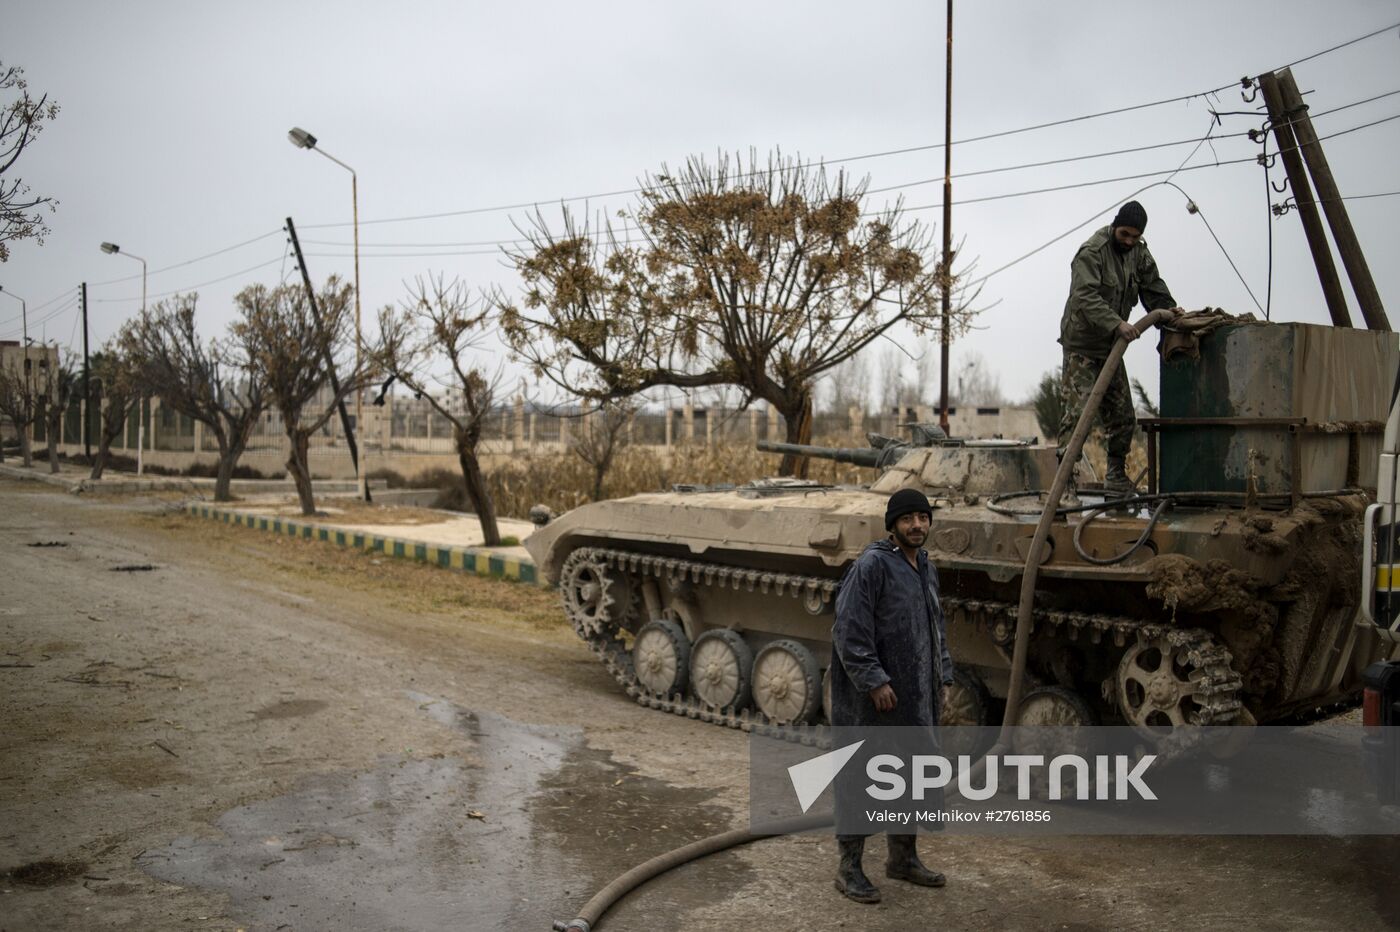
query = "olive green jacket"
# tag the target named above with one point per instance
(1104, 285)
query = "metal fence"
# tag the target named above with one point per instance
(409, 430)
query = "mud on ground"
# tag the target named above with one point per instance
(266, 733)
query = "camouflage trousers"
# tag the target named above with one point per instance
(1115, 415)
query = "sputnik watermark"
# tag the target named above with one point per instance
(1112, 780)
(1114, 777)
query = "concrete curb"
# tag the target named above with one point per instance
(119, 483)
(483, 561)
(36, 474)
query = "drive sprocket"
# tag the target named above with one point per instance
(597, 598)
(1175, 679)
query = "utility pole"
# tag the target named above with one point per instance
(947, 275)
(1303, 197)
(1353, 260)
(87, 393)
(330, 361)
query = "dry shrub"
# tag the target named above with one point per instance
(563, 481)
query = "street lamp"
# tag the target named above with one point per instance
(24, 327)
(113, 249)
(24, 318)
(304, 140)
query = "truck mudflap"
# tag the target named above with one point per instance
(1381, 743)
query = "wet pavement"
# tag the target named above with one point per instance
(515, 837)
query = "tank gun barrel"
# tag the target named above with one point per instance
(859, 456)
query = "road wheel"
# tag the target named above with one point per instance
(968, 709)
(1054, 721)
(721, 669)
(1055, 705)
(661, 657)
(787, 683)
(968, 700)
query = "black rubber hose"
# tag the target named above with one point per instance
(1117, 557)
(593, 910)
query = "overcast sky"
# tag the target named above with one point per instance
(172, 137)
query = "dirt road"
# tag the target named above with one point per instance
(202, 727)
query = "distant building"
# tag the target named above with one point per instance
(972, 422)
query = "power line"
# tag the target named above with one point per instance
(178, 265)
(189, 288)
(1327, 51)
(983, 137)
(1113, 152)
(44, 318)
(1139, 175)
(73, 335)
(39, 307)
(1359, 197)
(881, 190)
(885, 153)
(1228, 258)
(871, 155)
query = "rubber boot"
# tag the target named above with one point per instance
(850, 879)
(904, 863)
(1115, 479)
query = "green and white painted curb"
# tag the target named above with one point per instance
(483, 561)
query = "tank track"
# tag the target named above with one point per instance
(1216, 688)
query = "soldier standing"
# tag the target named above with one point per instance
(890, 664)
(1110, 274)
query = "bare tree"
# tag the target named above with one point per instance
(440, 325)
(760, 276)
(209, 383)
(19, 401)
(111, 369)
(287, 349)
(977, 384)
(600, 437)
(21, 121)
(850, 386)
(60, 384)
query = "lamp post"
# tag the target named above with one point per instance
(24, 341)
(113, 249)
(304, 140)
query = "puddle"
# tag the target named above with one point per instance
(133, 568)
(48, 543)
(516, 837)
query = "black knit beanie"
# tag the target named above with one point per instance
(904, 502)
(1132, 215)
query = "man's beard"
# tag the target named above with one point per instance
(906, 542)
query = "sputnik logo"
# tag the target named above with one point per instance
(811, 778)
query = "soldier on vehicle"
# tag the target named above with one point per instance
(1111, 273)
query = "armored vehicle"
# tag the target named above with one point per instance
(1226, 591)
